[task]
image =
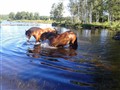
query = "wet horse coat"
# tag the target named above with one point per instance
(48, 35)
(63, 39)
(36, 32)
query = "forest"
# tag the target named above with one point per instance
(88, 11)
(100, 13)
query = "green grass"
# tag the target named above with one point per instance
(95, 25)
(35, 21)
(112, 26)
(106, 25)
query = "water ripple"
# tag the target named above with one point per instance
(26, 66)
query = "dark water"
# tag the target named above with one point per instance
(95, 65)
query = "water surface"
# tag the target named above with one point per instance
(93, 66)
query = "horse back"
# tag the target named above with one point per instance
(48, 35)
(65, 38)
(60, 40)
(32, 30)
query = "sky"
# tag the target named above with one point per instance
(43, 7)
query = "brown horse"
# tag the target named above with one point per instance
(48, 35)
(36, 32)
(63, 39)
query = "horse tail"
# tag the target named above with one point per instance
(74, 45)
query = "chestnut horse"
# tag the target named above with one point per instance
(63, 39)
(48, 35)
(36, 32)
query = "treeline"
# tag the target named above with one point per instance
(4, 17)
(88, 11)
(88, 14)
(23, 16)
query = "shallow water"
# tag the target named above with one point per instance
(95, 65)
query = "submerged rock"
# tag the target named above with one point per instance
(117, 36)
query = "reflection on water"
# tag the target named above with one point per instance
(93, 66)
(38, 51)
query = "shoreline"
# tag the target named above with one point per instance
(22, 23)
(115, 25)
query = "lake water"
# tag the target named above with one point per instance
(95, 65)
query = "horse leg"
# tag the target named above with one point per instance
(37, 40)
(28, 38)
(73, 43)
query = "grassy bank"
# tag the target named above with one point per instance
(106, 25)
(35, 21)
(32, 21)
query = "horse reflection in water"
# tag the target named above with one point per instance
(38, 51)
(35, 52)
(36, 32)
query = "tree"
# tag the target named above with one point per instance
(36, 16)
(73, 9)
(12, 16)
(89, 11)
(112, 7)
(23, 15)
(31, 16)
(57, 11)
(4, 17)
(18, 16)
(52, 10)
